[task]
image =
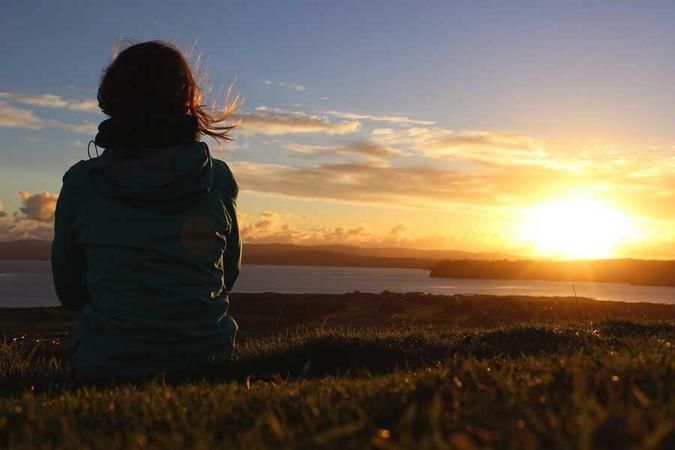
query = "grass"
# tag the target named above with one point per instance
(575, 384)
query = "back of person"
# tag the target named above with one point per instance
(146, 241)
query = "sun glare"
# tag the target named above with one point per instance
(576, 228)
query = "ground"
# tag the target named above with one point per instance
(368, 371)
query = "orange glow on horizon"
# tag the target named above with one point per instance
(576, 227)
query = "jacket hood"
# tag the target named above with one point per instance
(165, 178)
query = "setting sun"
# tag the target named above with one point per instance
(463, 200)
(576, 228)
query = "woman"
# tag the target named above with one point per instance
(146, 243)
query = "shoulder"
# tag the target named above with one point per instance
(223, 178)
(78, 173)
(81, 171)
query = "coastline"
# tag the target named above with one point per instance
(271, 313)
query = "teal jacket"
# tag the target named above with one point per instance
(147, 250)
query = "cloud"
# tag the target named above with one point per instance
(403, 120)
(14, 227)
(12, 117)
(489, 147)
(500, 192)
(450, 143)
(88, 128)
(307, 149)
(39, 207)
(53, 101)
(280, 122)
(15, 117)
(444, 187)
(398, 230)
(297, 87)
(363, 183)
(18, 226)
(367, 150)
(272, 227)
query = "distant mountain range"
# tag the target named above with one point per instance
(289, 254)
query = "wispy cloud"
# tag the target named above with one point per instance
(374, 152)
(490, 147)
(52, 101)
(395, 119)
(296, 87)
(273, 121)
(87, 128)
(12, 117)
(442, 187)
(360, 182)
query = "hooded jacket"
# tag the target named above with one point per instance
(147, 249)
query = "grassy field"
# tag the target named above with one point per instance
(359, 371)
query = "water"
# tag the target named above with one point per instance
(29, 283)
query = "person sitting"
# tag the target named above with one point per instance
(146, 242)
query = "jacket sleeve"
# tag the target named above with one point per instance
(233, 248)
(67, 258)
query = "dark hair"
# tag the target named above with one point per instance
(155, 78)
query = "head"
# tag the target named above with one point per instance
(155, 78)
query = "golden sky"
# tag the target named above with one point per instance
(524, 128)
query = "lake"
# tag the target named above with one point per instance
(29, 283)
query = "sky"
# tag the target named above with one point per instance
(534, 128)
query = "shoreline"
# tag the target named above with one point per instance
(273, 313)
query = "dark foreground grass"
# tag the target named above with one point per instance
(589, 386)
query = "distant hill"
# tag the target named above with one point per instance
(633, 271)
(310, 257)
(344, 255)
(383, 252)
(441, 263)
(25, 249)
(288, 254)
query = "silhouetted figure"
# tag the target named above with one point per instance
(146, 241)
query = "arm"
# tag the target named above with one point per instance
(232, 256)
(67, 258)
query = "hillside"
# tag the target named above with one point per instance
(27, 249)
(377, 371)
(271, 313)
(633, 271)
(288, 254)
(382, 252)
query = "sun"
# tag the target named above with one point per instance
(576, 228)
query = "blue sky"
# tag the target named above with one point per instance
(584, 89)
